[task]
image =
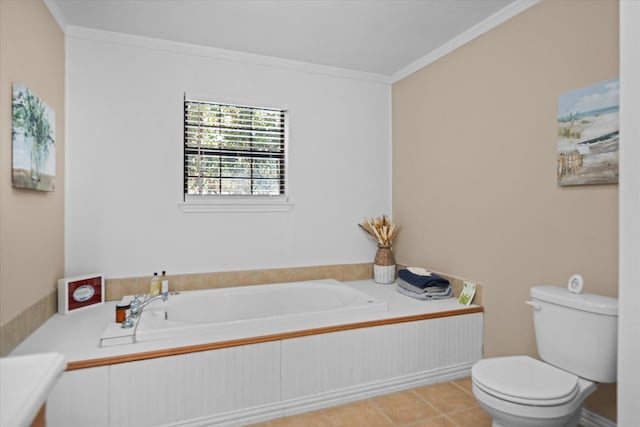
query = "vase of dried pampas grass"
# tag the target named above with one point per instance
(383, 231)
(384, 265)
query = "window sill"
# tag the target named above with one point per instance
(224, 204)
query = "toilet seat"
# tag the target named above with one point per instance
(524, 380)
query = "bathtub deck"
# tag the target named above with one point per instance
(76, 335)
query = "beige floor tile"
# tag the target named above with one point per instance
(447, 397)
(420, 407)
(474, 417)
(434, 422)
(357, 414)
(405, 407)
(464, 383)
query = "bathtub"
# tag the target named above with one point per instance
(254, 310)
(377, 342)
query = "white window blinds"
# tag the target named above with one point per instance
(233, 150)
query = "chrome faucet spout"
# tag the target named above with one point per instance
(163, 296)
(136, 309)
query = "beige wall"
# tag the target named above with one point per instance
(474, 167)
(31, 222)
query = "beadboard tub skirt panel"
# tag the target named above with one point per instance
(331, 398)
(251, 383)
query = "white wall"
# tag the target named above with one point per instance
(629, 292)
(124, 159)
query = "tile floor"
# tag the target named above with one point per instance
(446, 404)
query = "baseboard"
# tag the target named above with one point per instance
(299, 405)
(591, 419)
(376, 388)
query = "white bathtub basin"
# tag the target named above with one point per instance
(256, 309)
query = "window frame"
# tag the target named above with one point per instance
(235, 202)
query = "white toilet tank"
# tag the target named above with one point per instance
(577, 332)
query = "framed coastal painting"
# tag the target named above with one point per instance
(588, 135)
(33, 134)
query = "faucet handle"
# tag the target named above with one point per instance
(135, 305)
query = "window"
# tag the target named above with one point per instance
(233, 150)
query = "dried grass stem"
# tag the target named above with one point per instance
(380, 229)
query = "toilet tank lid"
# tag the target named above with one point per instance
(587, 302)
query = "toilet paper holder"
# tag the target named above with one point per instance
(575, 284)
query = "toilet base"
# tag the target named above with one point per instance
(500, 419)
(506, 414)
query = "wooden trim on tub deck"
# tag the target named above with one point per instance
(134, 357)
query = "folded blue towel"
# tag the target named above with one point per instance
(421, 281)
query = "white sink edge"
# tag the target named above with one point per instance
(25, 384)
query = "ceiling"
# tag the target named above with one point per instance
(375, 36)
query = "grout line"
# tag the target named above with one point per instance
(426, 401)
(463, 410)
(461, 388)
(452, 422)
(392, 423)
(380, 411)
(440, 413)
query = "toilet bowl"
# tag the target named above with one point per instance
(576, 336)
(521, 391)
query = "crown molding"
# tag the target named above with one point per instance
(85, 33)
(477, 30)
(52, 5)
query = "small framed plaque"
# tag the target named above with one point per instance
(80, 292)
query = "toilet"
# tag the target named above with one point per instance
(576, 336)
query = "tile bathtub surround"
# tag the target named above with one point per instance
(448, 404)
(457, 284)
(20, 327)
(117, 288)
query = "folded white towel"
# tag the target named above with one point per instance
(419, 271)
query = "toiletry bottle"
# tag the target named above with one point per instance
(154, 287)
(164, 283)
(122, 309)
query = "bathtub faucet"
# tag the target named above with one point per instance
(137, 306)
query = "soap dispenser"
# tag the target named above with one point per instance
(154, 287)
(164, 283)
